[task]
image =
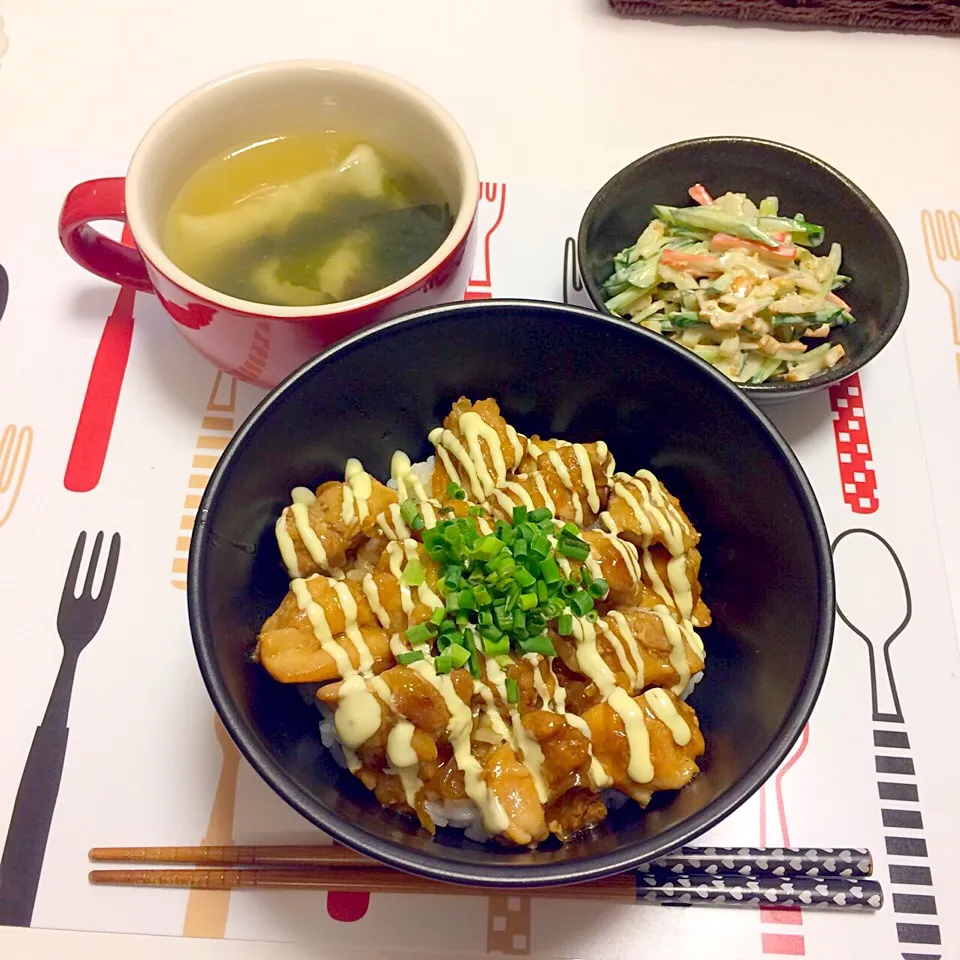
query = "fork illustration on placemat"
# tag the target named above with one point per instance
(941, 239)
(896, 775)
(493, 203)
(78, 620)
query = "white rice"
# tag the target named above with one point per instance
(423, 471)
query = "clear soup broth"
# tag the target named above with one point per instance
(305, 220)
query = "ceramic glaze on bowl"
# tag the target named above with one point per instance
(563, 372)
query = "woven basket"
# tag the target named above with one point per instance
(915, 16)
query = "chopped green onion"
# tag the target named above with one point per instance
(452, 602)
(496, 647)
(475, 511)
(519, 515)
(456, 492)
(519, 548)
(553, 608)
(417, 523)
(485, 618)
(486, 548)
(408, 510)
(421, 633)
(592, 616)
(536, 621)
(581, 602)
(443, 664)
(436, 618)
(525, 579)
(598, 588)
(462, 619)
(482, 595)
(413, 573)
(571, 530)
(543, 593)
(549, 570)
(574, 549)
(527, 601)
(542, 645)
(540, 547)
(568, 589)
(565, 625)
(404, 659)
(459, 655)
(540, 514)
(467, 600)
(513, 690)
(519, 620)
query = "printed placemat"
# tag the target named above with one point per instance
(109, 428)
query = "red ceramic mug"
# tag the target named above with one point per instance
(258, 342)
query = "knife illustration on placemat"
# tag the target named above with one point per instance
(95, 424)
(896, 774)
(78, 620)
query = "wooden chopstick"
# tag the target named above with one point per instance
(631, 887)
(741, 861)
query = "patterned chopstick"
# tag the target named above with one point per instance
(775, 862)
(849, 862)
(633, 887)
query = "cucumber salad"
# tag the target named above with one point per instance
(737, 284)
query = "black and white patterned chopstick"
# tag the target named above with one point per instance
(731, 891)
(782, 862)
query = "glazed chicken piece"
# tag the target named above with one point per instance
(475, 448)
(659, 587)
(577, 810)
(511, 782)
(621, 636)
(673, 748)
(570, 479)
(317, 531)
(321, 618)
(642, 510)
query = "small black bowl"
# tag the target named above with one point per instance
(872, 254)
(564, 372)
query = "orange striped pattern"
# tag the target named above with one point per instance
(256, 360)
(216, 428)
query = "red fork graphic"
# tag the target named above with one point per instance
(853, 446)
(92, 436)
(493, 201)
(774, 831)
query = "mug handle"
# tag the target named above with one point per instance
(101, 200)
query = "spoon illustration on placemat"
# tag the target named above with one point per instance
(78, 621)
(879, 613)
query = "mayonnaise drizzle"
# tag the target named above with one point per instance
(372, 593)
(640, 767)
(586, 472)
(404, 760)
(564, 474)
(514, 439)
(626, 634)
(311, 541)
(589, 659)
(351, 628)
(357, 489)
(541, 484)
(358, 715)
(288, 550)
(667, 713)
(321, 629)
(459, 729)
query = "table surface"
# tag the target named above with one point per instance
(547, 91)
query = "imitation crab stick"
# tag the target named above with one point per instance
(700, 264)
(698, 193)
(786, 252)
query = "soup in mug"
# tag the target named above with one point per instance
(305, 220)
